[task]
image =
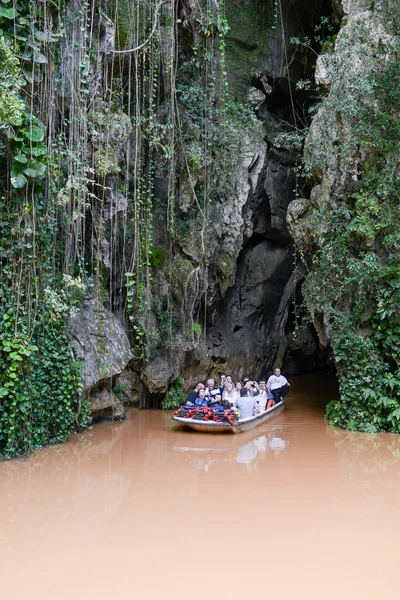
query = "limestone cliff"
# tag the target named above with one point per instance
(347, 227)
(143, 199)
(223, 279)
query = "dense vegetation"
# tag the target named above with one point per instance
(354, 273)
(97, 111)
(40, 380)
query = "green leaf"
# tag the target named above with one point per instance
(35, 169)
(8, 13)
(38, 57)
(45, 36)
(21, 158)
(18, 181)
(36, 134)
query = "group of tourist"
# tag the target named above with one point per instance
(249, 397)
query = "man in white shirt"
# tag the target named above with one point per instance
(211, 389)
(278, 385)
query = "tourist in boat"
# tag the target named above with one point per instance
(193, 394)
(246, 404)
(265, 399)
(262, 398)
(211, 390)
(248, 385)
(278, 385)
(218, 403)
(251, 387)
(230, 394)
(222, 382)
(201, 399)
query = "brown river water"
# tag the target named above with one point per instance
(141, 510)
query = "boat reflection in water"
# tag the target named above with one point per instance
(206, 451)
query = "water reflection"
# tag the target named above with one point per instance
(205, 450)
(368, 459)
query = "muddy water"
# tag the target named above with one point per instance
(293, 509)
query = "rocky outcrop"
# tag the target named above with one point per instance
(249, 248)
(101, 343)
(334, 155)
(128, 387)
(222, 292)
(104, 404)
(157, 375)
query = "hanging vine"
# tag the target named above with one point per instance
(113, 149)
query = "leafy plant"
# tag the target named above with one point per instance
(175, 396)
(157, 257)
(353, 276)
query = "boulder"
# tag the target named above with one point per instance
(157, 376)
(104, 404)
(101, 342)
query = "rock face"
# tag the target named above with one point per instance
(101, 343)
(258, 45)
(247, 333)
(128, 386)
(334, 155)
(221, 292)
(105, 405)
(157, 375)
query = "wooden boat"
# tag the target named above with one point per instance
(238, 427)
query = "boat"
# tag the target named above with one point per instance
(238, 427)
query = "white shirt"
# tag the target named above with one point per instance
(261, 400)
(275, 382)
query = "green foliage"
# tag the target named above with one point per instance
(213, 148)
(40, 379)
(163, 322)
(157, 257)
(11, 105)
(175, 396)
(354, 276)
(323, 37)
(120, 391)
(196, 329)
(41, 383)
(29, 150)
(105, 162)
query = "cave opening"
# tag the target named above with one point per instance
(254, 325)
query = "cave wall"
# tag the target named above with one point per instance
(248, 329)
(241, 291)
(220, 295)
(347, 227)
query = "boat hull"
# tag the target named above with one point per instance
(238, 427)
